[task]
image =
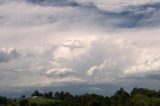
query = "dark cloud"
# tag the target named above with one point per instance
(154, 76)
(54, 2)
(132, 16)
(8, 55)
(129, 17)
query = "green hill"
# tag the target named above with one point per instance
(42, 101)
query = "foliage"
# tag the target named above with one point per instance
(3, 100)
(137, 97)
(141, 100)
(42, 101)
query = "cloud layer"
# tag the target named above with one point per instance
(48, 43)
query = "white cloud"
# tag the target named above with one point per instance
(59, 71)
(147, 64)
(67, 44)
(106, 65)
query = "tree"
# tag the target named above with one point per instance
(35, 93)
(141, 100)
(120, 98)
(23, 102)
(3, 100)
(57, 95)
(107, 101)
(94, 103)
(48, 95)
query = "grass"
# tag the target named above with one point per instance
(40, 101)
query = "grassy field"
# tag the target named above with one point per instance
(40, 101)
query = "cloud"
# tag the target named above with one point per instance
(78, 42)
(115, 5)
(94, 89)
(147, 64)
(59, 71)
(106, 65)
(84, 15)
(8, 54)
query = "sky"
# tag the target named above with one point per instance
(79, 45)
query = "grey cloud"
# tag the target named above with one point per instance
(146, 15)
(156, 77)
(82, 43)
(8, 54)
(55, 2)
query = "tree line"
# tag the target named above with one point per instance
(137, 97)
